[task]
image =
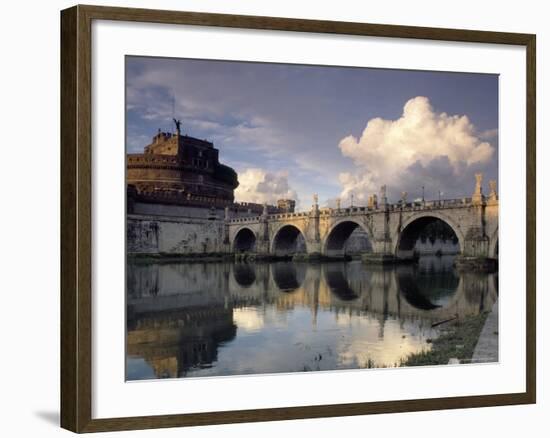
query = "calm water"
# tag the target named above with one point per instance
(194, 319)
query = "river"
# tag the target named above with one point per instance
(214, 319)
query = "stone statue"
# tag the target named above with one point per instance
(178, 125)
(372, 201)
(338, 201)
(493, 190)
(315, 199)
(477, 196)
(479, 179)
(404, 197)
(383, 198)
(264, 212)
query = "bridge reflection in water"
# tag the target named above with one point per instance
(226, 319)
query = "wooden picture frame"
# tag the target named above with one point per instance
(76, 217)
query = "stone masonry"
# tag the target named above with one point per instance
(392, 229)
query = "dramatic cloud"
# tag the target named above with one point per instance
(358, 185)
(258, 185)
(281, 117)
(420, 147)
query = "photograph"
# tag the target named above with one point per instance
(290, 218)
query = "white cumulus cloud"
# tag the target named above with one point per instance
(389, 150)
(259, 186)
(358, 185)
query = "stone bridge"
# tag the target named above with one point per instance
(392, 230)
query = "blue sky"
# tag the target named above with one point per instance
(296, 130)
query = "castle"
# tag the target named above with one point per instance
(181, 167)
(180, 175)
(180, 170)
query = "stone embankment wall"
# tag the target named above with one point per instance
(148, 234)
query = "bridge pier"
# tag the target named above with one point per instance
(310, 257)
(382, 244)
(380, 259)
(381, 254)
(476, 256)
(262, 247)
(481, 264)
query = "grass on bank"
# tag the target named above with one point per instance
(458, 340)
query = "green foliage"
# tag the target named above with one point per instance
(458, 341)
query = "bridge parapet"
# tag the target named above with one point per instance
(353, 211)
(288, 215)
(245, 220)
(427, 205)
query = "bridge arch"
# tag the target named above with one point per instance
(425, 288)
(287, 276)
(339, 233)
(408, 233)
(338, 283)
(244, 240)
(244, 274)
(288, 239)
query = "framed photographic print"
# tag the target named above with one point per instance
(268, 218)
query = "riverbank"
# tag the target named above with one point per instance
(487, 347)
(458, 340)
(244, 257)
(179, 258)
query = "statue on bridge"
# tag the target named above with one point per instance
(477, 196)
(372, 201)
(493, 190)
(479, 179)
(383, 198)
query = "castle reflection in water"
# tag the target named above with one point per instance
(205, 319)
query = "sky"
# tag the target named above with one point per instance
(292, 131)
